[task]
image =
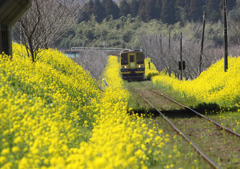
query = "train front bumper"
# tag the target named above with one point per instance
(136, 73)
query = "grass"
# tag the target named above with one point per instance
(135, 102)
(186, 155)
(221, 147)
(230, 119)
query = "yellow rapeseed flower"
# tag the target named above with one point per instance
(15, 149)
(5, 151)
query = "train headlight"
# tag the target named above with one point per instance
(124, 67)
(140, 66)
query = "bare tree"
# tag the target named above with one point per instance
(157, 48)
(93, 61)
(45, 22)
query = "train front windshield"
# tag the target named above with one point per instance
(124, 59)
(140, 58)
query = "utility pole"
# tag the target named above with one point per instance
(169, 42)
(161, 42)
(202, 43)
(181, 61)
(225, 36)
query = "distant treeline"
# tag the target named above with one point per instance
(167, 11)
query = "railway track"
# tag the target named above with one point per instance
(187, 136)
(199, 114)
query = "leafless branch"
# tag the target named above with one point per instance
(93, 61)
(45, 22)
(157, 48)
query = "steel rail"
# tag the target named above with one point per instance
(199, 114)
(205, 157)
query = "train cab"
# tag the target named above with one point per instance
(132, 65)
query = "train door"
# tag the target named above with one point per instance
(132, 58)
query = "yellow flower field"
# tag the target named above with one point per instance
(152, 71)
(212, 86)
(53, 115)
(44, 107)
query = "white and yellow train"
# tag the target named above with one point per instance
(132, 64)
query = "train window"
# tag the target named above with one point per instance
(124, 59)
(131, 58)
(140, 58)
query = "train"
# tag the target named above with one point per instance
(132, 66)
